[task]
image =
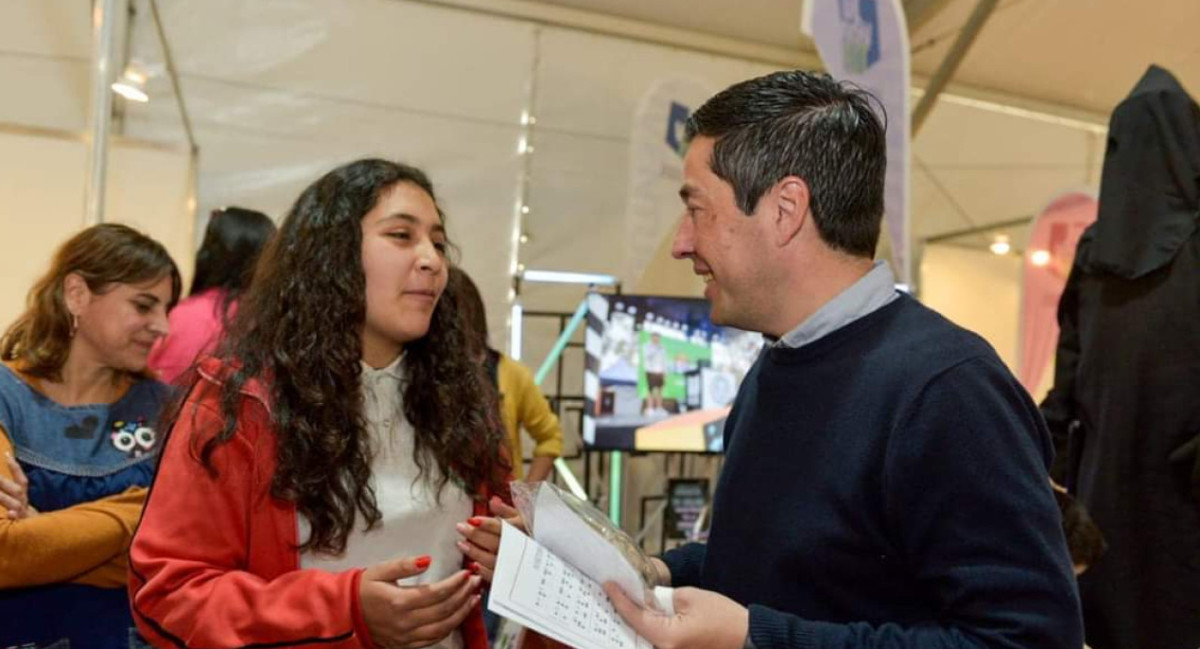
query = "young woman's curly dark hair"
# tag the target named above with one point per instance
(298, 329)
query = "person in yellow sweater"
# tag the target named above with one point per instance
(522, 403)
(77, 437)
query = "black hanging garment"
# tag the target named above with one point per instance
(1125, 408)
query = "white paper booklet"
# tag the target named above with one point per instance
(537, 589)
(563, 531)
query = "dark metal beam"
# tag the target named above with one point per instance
(173, 74)
(982, 228)
(949, 66)
(918, 13)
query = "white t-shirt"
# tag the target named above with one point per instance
(413, 522)
(654, 358)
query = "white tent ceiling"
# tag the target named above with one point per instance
(1073, 53)
(280, 90)
(1054, 58)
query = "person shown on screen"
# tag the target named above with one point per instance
(886, 477)
(654, 363)
(232, 242)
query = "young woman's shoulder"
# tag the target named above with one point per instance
(218, 371)
(205, 396)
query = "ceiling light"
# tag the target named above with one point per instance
(130, 92)
(132, 84)
(1000, 246)
(561, 277)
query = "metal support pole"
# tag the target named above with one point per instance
(105, 14)
(184, 118)
(561, 343)
(564, 471)
(615, 480)
(173, 74)
(949, 66)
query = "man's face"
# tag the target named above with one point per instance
(729, 249)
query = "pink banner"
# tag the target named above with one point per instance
(1048, 259)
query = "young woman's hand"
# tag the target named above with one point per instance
(407, 617)
(14, 493)
(481, 536)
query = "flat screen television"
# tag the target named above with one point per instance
(659, 375)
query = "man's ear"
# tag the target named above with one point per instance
(76, 294)
(792, 212)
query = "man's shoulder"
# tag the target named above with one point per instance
(939, 359)
(914, 346)
(921, 337)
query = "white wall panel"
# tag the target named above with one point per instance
(978, 291)
(46, 27)
(46, 93)
(44, 62)
(148, 189)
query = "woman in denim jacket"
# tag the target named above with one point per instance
(78, 438)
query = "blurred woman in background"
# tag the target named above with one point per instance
(224, 266)
(522, 403)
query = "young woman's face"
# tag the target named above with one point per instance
(404, 259)
(119, 325)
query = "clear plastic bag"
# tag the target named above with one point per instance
(525, 497)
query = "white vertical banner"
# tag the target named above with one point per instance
(656, 148)
(866, 42)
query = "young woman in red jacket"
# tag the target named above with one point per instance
(327, 478)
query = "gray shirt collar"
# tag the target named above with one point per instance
(872, 292)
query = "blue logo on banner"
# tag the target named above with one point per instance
(860, 36)
(676, 124)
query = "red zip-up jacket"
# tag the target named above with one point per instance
(214, 562)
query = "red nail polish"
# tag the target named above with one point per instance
(423, 562)
(474, 521)
(473, 567)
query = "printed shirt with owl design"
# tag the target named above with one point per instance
(86, 465)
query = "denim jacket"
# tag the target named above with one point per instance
(73, 455)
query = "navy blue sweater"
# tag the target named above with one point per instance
(886, 486)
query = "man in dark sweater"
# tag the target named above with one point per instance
(886, 476)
